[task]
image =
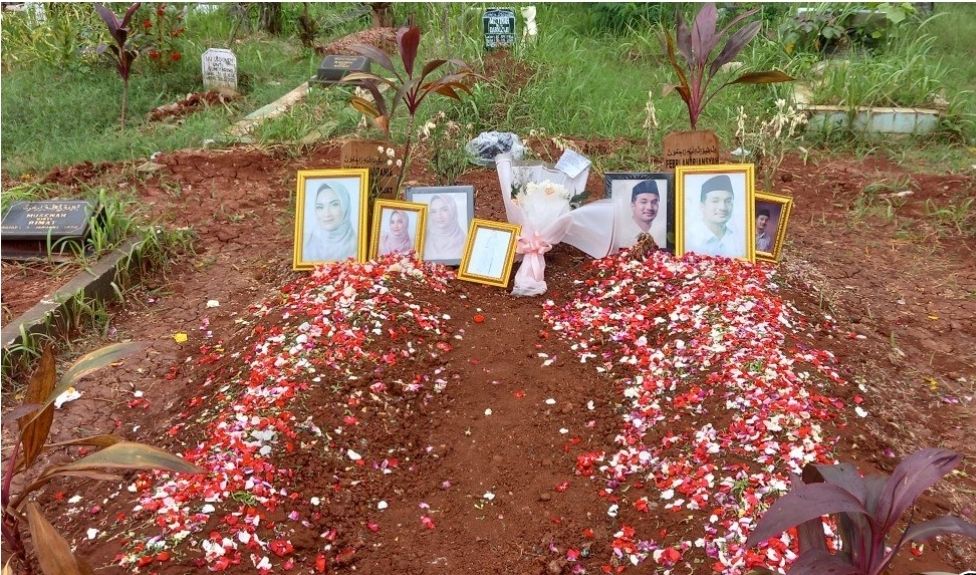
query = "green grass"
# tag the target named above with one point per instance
(584, 83)
(56, 114)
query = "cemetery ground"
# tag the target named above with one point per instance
(477, 451)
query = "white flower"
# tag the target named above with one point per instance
(390, 152)
(399, 162)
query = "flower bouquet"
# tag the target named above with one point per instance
(541, 200)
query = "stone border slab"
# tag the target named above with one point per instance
(274, 109)
(94, 282)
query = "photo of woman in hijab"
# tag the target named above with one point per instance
(333, 237)
(449, 213)
(330, 219)
(445, 237)
(398, 228)
(395, 236)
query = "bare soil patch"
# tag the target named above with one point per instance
(901, 296)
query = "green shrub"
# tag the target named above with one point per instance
(907, 75)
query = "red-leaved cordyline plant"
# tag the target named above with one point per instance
(697, 68)
(867, 510)
(34, 419)
(122, 55)
(411, 87)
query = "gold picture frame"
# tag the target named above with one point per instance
(315, 245)
(476, 253)
(785, 204)
(419, 224)
(742, 244)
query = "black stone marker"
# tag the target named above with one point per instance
(27, 227)
(335, 67)
(499, 27)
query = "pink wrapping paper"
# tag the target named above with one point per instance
(589, 228)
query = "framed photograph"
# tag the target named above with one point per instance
(489, 252)
(714, 208)
(330, 217)
(642, 204)
(772, 215)
(450, 210)
(398, 227)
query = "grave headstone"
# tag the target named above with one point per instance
(334, 67)
(219, 69)
(367, 154)
(499, 28)
(29, 226)
(698, 148)
(37, 13)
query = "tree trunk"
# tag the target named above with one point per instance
(272, 19)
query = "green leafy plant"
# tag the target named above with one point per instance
(867, 511)
(62, 40)
(34, 418)
(411, 87)
(121, 52)
(697, 68)
(830, 27)
(906, 75)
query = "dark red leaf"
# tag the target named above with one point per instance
(373, 87)
(822, 563)
(683, 39)
(770, 77)
(430, 67)
(682, 86)
(408, 40)
(874, 484)
(110, 19)
(35, 426)
(129, 13)
(948, 525)
(811, 536)
(374, 54)
(911, 478)
(736, 20)
(801, 504)
(703, 34)
(842, 475)
(735, 45)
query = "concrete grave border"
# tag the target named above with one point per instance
(95, 282)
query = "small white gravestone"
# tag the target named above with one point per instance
(219, 69)
(36, 11)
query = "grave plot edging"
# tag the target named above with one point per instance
(94, 282)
